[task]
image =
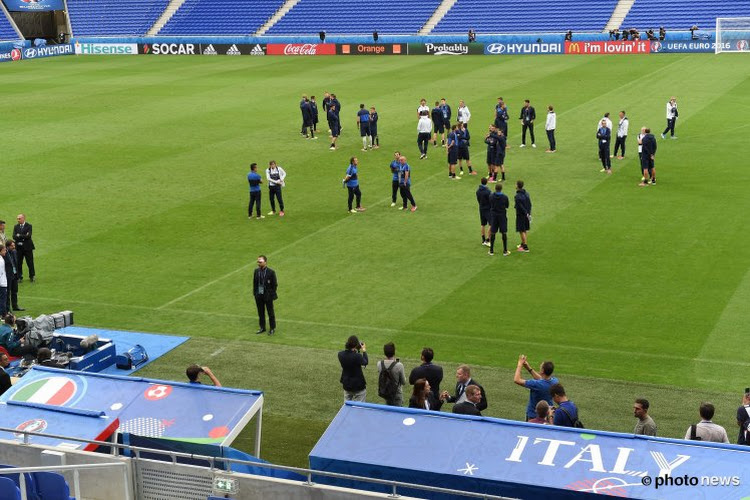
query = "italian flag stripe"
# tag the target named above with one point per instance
(50, 391)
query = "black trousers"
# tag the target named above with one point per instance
(263, 306)
(28, 254)
(11, 301)
(604, 155)
(620, 143)
(551, 139)
(406, 195)
(254, 200)
(530, 127)
(275, 192)
(3, 300)
(670, 127)
(423, 140)
(354, 191)
(394, 190)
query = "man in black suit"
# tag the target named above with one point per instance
(25, 246)
(264, 291)
(528, 115)
(471, 405)
(11, 275)
(433, 373)
(464, 380)
(648, 144)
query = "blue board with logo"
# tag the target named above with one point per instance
(521, 460)
(33, 5)
(146, 407)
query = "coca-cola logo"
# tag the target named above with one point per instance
(307, 49)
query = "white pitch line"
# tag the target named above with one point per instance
(217, 351)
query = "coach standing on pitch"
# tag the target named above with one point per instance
(527, 117)
(275, 176)
(351, 181)
(604, 135)
(25, 246)
(264, 291)
(404, 181)
(648, 141)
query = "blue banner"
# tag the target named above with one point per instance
(528, 47)
(49, 51)
(33, 5)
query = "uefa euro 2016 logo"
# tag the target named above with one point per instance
(743, 45)
(655, 46)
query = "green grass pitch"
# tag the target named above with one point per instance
(132, 171)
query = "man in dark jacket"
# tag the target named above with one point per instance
(352, 359)
(483, 199)
(603, 135)
(264, 291)
(648, 143)
(11, 274)
(427, 370)
(523, 215)
(527, 117)
(463, 382)
(471, 405)
(25, 246)
(499, 204)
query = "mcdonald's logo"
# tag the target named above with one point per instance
(572, 48)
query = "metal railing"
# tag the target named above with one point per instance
(21, 471)
(174, 455)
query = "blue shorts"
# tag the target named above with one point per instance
(364, 129)
(484, 217)
(452, 156)
(499, 223)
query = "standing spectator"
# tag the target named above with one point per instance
(314, 108)
(672, 115)
(604, 135)
(640, 137)
(255, 180)
(335, 124)
(352, 359)
(264, 291)
(543, 414)
(463, 381)
(463, 114)
(483, 199)
(566, 414)
(463, 148)
(706, 430)
(452, 149)
(423, 396)
(3, 284)
(275, 176)
(646, 425)
(5, 382)
(550, 128)
(422, 108)
(648, 153)
(302, 106)
(438, 124)
(404, 181)
(351, 181)
(427, 370)
(363, 122)
(424, 127)
(3, 238)
(25, 246)
(471, 405)
(308, 119)
(539, 386)
(499, 219)
(11, 275)
(395, 166)
(391, 377)
(527, 117)
(622, 135)
(743, 418)
(523, 216)
(194, 371)
(374, 128)
(447, 113)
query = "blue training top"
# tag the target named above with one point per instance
(352, 172)
(254, 179)
(364, 116)
(395, 167)
(402, 169)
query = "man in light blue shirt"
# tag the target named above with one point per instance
(351, 181)
(538, 386)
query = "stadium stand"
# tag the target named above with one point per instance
(526, 16)
(6, 30)
(220, 17)
(354, 17)
(114, 17)
(682, 14)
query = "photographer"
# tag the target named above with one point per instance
(352, 359)
(193, 371)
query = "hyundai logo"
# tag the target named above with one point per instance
(496, 48)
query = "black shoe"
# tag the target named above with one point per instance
(33, 279)
(260, 331)
(16, 308)
(20, 279)
(272, 331)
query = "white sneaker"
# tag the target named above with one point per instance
(393, 204)
(533, 145)
(461, 172)
(271, 213)
(663, 136)
(400, 208)
(522, 146)
(352, 211)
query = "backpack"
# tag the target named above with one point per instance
(387, 383)
(576, 423)
(132, 358)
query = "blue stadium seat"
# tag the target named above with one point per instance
(220, 17)
(8, 489)
(52, 486)
(31, 492)
(355, 17)
(114, 17)
(6, 30)
(682, 14)
(526, 16)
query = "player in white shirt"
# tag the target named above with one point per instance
(671, 118)
(422, 107)
(463, 115)
(424, 127)
(550, 128)
(622, 135)
(275, 176)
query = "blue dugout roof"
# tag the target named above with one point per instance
(521, 460)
